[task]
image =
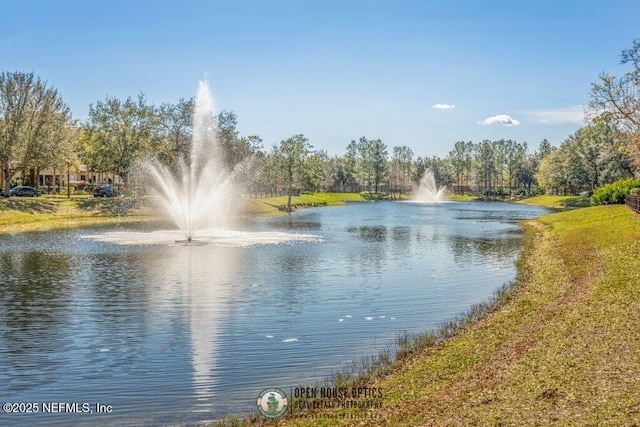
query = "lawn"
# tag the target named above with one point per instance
(57, 212)
(558, 202)
(270, 206)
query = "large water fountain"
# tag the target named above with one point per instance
(197, 192)
(428, 191)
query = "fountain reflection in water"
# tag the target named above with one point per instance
(198, 191)
(428, 191)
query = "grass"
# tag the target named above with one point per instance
(562, 350)
(58, 212)
(462, 197)
(270, 206)
(558, 202)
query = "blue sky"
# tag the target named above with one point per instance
(335, 70)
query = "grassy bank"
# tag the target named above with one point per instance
(558, 202)
(60, 212)
(273, 205)
(563, 350)
(462, 198)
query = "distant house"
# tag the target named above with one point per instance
(80, 177)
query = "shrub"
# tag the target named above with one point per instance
(613, 193)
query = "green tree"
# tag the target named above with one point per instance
(544, 149)
(34, 123)
(500, 154)
(119, 132)
(485, 166)
(524, 175)
(457, 158)
(235, 149)
(516, 163)
(550, 175)
(313, 173)
(176, 127)
(290, 157)
(364, 164)
(379, 162)
(404, 157)
(350, 164)
(587, 159)
(395, 171)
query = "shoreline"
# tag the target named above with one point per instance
(559, 347)
(59, 212)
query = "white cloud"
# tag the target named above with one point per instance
(558, 116)
(500, 119)
(444, 106)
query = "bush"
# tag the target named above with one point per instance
(613, 193)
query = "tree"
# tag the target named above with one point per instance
(227, 122)
(550, 176)
(617, 99)
(379, 162)
(350, 164)
(485, 166)
(586, 160)
(516, 164)
(34, 122)
(176, 123)
(457, 158)
(119, 132)
(524, 178)
(500, 153)
(544, 149)
(344, 173)
(290, 157)
(313, 171)
(235, 149)
(395, 172)
(364, 163)
(403, 156)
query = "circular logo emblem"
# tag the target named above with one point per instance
(272, 402)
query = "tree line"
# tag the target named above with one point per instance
(37, 131)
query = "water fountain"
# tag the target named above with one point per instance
(428, 191)
(198, 192)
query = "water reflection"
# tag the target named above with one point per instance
(374, 234)
(472, 249)
(33, 303)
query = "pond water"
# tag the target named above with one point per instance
(165, 332)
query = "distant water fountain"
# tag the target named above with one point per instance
(197, 192)
(428, 191)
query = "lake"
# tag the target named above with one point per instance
(161, 332)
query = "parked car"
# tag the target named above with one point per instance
(105, 191)
(24, 191)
